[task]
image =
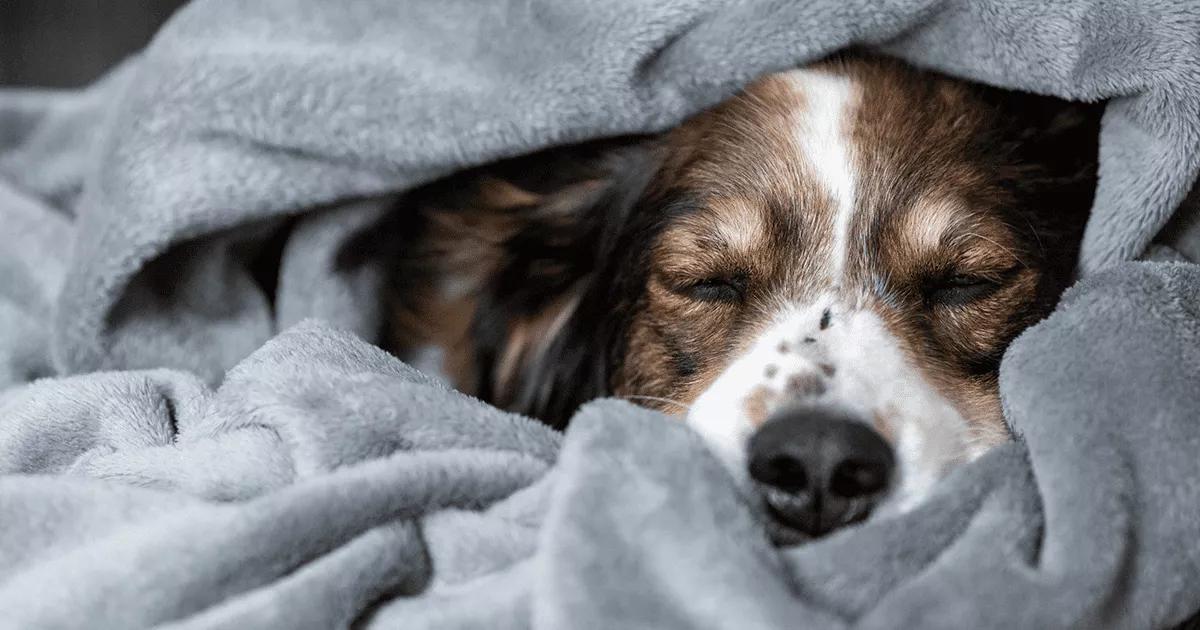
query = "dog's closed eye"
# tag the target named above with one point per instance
(958, 289)
(727, 289)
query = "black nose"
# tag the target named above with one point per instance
(819, 469)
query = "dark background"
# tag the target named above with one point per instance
(69, 43)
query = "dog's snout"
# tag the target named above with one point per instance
(819, 469)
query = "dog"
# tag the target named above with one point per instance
(819, 275)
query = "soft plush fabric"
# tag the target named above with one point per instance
(172, 459)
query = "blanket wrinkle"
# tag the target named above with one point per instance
(197, 429)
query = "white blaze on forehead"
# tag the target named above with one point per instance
(822, 135)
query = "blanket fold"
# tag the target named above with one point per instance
(188, 442)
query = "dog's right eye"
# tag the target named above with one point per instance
(731, 289)
(959, 289)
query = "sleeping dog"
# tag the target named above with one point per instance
(819, 275)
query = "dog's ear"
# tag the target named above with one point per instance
(1053, 143)
(549, 324)
(1051, 150)
(1061, 138)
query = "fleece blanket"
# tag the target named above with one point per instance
(189, 442)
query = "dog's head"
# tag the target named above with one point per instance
(820, 275)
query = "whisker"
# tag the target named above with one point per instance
(682, 406)
(1036, 236)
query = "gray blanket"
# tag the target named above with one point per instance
(171, 459)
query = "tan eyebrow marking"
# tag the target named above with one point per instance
(737, 224)
(947, 224)
(1007, 250)
(929, 220)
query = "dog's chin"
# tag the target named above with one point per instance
(784, 535)
(790, 522)
(783, 531)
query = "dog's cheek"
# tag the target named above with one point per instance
(977, 334)
(643, 369)
(676, 349)
(657, 360)
(959, 350)
(979, 401)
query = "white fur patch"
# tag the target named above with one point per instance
(820, 131)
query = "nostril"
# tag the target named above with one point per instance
(851, 479)
(781, 471)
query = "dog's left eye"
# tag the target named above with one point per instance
(718, 289)
(958, 289)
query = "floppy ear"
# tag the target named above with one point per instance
(550, 321)
(1055, 145)
(1053, 148)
